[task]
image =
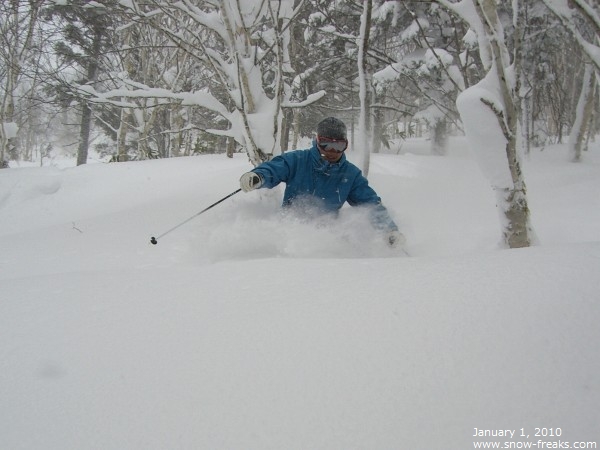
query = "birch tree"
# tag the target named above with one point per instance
(364, 124)
(244, 46)
(17, 29)
(583, 116)
(546, 50)
(489, 111)
(582, 19)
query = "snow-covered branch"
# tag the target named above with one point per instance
(561, 8)
(312, 98)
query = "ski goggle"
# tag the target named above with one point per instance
(332, 145)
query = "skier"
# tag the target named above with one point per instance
(322, 179)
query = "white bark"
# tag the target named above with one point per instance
(364, 84)
(582, 114)
(17, 28)
(498, 92)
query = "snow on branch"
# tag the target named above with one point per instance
(562, 10)
(197, 98)
(312, 98)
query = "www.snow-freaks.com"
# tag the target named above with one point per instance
(539, 444)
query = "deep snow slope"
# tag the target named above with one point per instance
(246, 329)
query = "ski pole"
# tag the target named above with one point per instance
(154, 240)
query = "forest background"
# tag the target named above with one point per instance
(157, 79)
(247, 328)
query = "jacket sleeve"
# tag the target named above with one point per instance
(275, 171)
(362, 194)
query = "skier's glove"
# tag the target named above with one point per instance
(250, 181)
(395, 239)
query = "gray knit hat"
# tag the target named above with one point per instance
(332, 128)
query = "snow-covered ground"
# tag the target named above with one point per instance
(245, 329)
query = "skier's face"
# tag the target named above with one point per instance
(331, 149)
(332, 157)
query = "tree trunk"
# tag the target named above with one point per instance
(377, 126)
(86, 114)
(230, 147)
(517, 230)
(527, 122)
(144, 149)
(439, 138)
(84, 134)
(122, 136)
(583, 113)
(363, 48)
(296, 133)
(285, 130)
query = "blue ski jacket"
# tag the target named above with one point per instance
(327, 186)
